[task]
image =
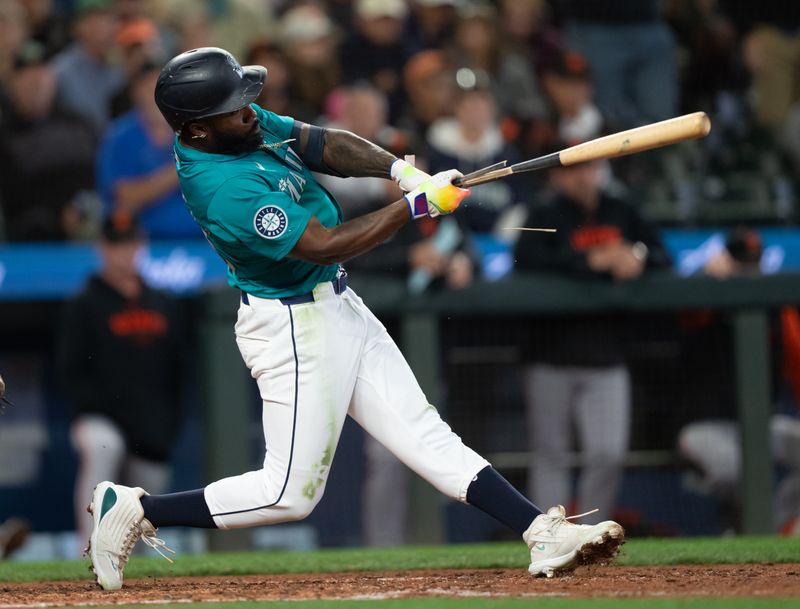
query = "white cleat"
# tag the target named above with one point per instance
(117, 516)
(558, 546)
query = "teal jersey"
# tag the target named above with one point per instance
(253, 207)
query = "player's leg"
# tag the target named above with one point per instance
(603, 412)
(389, 404)
(101, 452)
(549, 398)
(303, 359)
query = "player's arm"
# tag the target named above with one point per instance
(322, 245)
(345, 154)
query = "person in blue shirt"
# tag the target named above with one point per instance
(136, 166)
(315, 350)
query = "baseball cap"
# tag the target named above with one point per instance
(121, 228)
(569, 64)
(136, 31)
(424, 64)
(304, 24)
(372, 9)
(744, 245)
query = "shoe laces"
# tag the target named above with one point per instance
(131, 537)
(159, 545)
(589, 513)
(559, 519)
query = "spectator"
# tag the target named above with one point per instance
(275, 94)
(47, 157)
(711, 443)
(429, 83)
(139, 43)
(579, 375)
(712, 63)
(632, 55)
(470, 140)
(478, 44)
(46, 25)
(526, 28)
(136, 167)
(432, 23)
(772, 58)
(230, 24)
(13, 32)
(571, 114)
(87, 80)
(378, 49)
(119, 358)
(568, 85)
(309, 40)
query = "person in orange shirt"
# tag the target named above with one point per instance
(119, 357)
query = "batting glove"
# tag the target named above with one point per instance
(436, 196)
(406, 175)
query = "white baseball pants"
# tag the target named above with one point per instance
(315, 363)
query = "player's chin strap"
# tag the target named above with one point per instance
(150, 539)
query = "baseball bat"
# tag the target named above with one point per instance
(647, 137)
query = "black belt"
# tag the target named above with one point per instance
(339, 285)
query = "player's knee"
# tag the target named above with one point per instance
(299, 508)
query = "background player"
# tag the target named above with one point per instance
(315, 350)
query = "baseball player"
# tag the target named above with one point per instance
(315, 350)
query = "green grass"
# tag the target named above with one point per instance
(635, 552)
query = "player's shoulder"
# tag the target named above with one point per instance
(244, 191)
(252, 173)
(278, 124)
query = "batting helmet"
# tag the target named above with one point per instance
(205, 82)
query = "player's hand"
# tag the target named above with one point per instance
(720, 266)
(407, 176)
(626, 265)
(2, 388)
(437, 195)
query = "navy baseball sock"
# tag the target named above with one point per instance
(494, 495)
(187, 509)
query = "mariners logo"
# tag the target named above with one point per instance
(270, 222)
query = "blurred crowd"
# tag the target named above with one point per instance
(455, 82)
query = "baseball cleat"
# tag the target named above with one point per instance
(118, 518)
(558, 546)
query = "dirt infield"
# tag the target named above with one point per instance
(696, 580)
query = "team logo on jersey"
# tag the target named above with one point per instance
(270, 222)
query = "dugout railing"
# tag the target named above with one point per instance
(747, 299)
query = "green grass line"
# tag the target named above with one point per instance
(512, 555)
(510, 603)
